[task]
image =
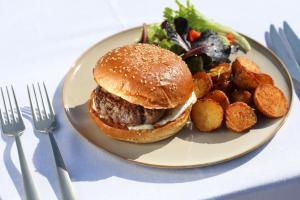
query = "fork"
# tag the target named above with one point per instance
(12, 125)
(45, 122)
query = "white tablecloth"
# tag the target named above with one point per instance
(39, 40)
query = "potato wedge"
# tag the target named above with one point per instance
(202, 84)
(241, 96)
(243, 63)
(220, 72)
(270, 101)
(219, 96)
(264, 79)
(207, 115)
(239, 117)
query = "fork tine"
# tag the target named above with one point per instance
(42, 100)
(4, 103)
(1, 118)
(39, 114)
(48, 101)
(13, 120)
(16, 104)
(31, 105)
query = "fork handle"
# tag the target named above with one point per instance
(29, 186)
(66, 188)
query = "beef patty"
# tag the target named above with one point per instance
(116, 110)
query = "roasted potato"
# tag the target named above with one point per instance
(226, 86)
(245, 64)
(244, 73)
(264, 79)
(239, 117)
(247, 75)
(270, 101)
(202, 84)
(207, 115)
(241, 96)
(220, 72)
(221, 76)
(219, 96)
(245, 80)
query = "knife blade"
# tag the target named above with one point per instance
(280, 48)
(293, 40)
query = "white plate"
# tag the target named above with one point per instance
(188, 148)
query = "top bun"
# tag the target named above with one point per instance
(146, 75)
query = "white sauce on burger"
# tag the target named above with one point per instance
(170, 116)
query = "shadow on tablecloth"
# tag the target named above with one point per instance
(12, 170)
(43, 159)
(297, 88)
(286, 189)
(85, 162)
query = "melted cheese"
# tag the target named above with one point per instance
(170, 116)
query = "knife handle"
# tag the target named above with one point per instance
(66, 189)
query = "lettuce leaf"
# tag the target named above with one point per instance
(156, 33)
(158, 36)
(201, 23)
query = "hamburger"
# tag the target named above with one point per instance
(144, 93)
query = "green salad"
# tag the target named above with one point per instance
(201, 42)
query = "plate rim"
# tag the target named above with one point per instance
(121, 158)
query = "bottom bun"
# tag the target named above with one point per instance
(144, 135)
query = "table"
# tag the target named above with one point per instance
(39, 41)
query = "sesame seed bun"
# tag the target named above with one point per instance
(146, 75)
(144, 135)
